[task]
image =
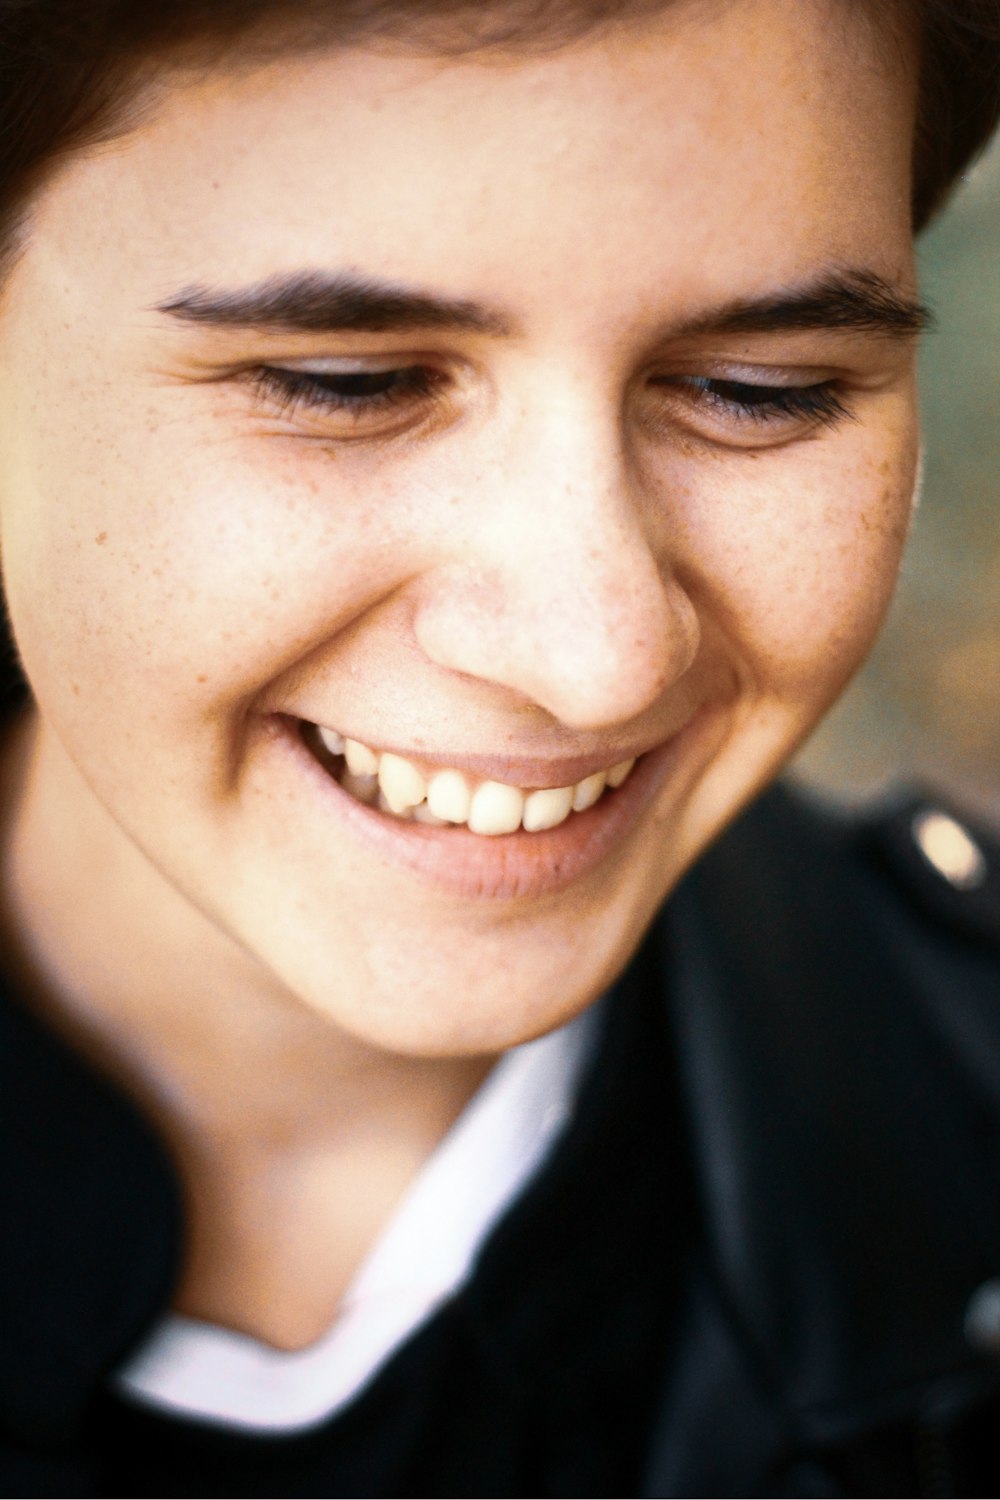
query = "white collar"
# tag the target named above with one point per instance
(422, 1257)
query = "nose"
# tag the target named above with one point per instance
(558, 589)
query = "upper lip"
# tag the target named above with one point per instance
(525, 771)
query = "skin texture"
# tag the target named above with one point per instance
(565, 553)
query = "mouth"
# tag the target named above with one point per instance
(444, 796)
(462, 830)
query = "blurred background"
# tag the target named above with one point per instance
(927, 705)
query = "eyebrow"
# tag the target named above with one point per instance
(317, 302)
(840, 301)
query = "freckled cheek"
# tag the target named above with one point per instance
(801, 585)
(186, 570)
(837, 598)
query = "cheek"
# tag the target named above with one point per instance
(155, 565)
(798, 560)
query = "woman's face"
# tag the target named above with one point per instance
(518, 417)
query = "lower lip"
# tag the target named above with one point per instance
(511, 865)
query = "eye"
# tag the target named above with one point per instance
(355, 391)
(763, 402)
(755, 412)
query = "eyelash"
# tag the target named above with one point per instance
(295, 389)
(820, 402)
(364, 393)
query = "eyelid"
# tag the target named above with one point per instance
(861, 367)
(820, 400)
(346, 364)
(739, 372)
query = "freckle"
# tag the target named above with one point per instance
(201, 677)
(101, 538)
(76, 690)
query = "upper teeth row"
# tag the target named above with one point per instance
(447, 796)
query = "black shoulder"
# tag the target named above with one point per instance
(832, 980)
(911, 851)
(90, 1246)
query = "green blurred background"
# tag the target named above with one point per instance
(927, 705)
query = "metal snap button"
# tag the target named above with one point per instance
(949, 849)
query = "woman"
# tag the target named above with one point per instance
(451, 456)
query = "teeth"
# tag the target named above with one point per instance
(586, 792)
(365, 788)
(448, 796)
(547, 808)
(394, 784)
(618, 773)
(360, 760)
(423, 814)
(496, 808)
(402, 784)
(333, 741)
(384, 805)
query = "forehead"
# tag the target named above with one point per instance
(752, 140)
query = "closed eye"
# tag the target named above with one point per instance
(820, 403)
(359, 392)
(373, 400)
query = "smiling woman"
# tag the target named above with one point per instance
(450, 457)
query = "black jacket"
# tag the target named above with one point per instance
(746, 1270)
